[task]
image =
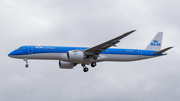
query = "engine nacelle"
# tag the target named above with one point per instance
(66, 65)
(75, 55)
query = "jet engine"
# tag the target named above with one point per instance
(66, 65)
(75, 55)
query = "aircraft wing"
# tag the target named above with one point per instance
(96, 50)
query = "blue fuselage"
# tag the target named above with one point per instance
(60, 53)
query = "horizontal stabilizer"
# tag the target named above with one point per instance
(163, 50)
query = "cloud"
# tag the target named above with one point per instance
(88, 23)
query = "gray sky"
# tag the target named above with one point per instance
(88, 23)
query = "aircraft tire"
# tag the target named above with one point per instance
(93, 64)
(26, 65)
(85, 69)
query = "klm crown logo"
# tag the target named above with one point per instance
(155, 43)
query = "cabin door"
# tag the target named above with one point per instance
(140, 53)
(30, 49)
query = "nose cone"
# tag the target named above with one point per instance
(10, 54)
(13, 54)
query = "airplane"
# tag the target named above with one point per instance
(69, 57)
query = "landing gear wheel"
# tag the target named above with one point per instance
(93, 64)
(26, 65)
(25, 59)
(85, 69)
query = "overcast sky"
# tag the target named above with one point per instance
(88, 23)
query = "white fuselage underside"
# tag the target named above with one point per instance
(102, 57)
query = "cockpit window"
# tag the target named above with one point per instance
(20, 48)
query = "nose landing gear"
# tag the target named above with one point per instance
(27, 65)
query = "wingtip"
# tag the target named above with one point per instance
(130, 32)
(133, 30)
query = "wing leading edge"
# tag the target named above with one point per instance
(96, 50)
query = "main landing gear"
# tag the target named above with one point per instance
(27, 65)
(85, 69)
(93, 64)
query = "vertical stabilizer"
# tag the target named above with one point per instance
(156, 43)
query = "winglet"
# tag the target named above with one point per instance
(162, 51)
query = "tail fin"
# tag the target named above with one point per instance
(156, 43)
